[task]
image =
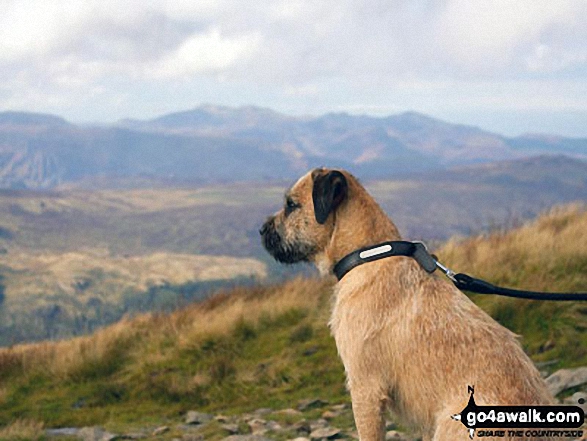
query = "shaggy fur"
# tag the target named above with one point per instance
(410, 341)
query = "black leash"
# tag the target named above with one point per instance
(464, 282)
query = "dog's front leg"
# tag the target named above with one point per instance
(369, 404)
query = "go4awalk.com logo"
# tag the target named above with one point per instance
(520, 421)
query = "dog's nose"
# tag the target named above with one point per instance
(266, 226)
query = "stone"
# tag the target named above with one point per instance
(246, 438)
(95, 434)
(194, 417)
(394, 435)
(63, 431)
(310, 351)
(300, 438)
(566, 378)
(192, 437)
(325, 433)
(160, 430)
(258, 426)
(223, 419)
(340, 407)
(231, 428)
(329, 414)
(311, 403)
(274, 425)
(263, 411)
(302, 427)
(578, 399)
(134, 435)
(390, 425)
(289, 412)
(318, 424)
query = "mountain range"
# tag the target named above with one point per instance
(212, 144)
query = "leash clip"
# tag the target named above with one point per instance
(447, 271)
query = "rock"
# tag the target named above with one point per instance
(566, 378)
(160, 430)
(339, 407)
(192, 437)
(231, 428)
(134, 435)
(258, 426)
(95, 434)
(302, 427)
(310, 351)
(325, 433)
(390, 425)
(318, 424)
(223, 419)
(578, 399)
(64, 431)
(300, 438)
(329, 414)
(273, 425)
(193, 417)
(289, 412)
(246, 438)
(311, 404)
(394, 435)
(263, 411)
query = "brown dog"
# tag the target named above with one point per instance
(409, 340)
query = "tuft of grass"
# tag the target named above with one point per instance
(548, 254)
(22, 429)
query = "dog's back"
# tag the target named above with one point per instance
(427, 342)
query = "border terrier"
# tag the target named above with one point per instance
(410, 341)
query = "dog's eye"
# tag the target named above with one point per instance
(290, 205)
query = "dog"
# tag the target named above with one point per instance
(410, 341)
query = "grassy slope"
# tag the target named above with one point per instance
(269, 346)
(549, 254)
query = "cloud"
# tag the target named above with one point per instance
(209, 52)
(298, 55)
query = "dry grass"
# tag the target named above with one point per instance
(548, 254)
(218, 315)
(548, 249)
(22, 429)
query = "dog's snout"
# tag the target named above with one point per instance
(266, 226)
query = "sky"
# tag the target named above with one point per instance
(509, 66)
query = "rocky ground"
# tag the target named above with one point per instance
(332, 421)
(311, 420)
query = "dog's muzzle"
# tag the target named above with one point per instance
(281, 250)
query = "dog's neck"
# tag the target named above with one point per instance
(352, 231)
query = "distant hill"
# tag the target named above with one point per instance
(73, 260)
(212, 144)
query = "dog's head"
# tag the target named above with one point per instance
(302, 228)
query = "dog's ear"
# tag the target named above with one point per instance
(330, 189)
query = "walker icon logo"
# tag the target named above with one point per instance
(514, 418)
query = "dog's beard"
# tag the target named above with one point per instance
(285, 252)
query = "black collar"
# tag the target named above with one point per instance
(417, 250)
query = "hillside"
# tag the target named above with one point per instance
(213, 144)
(73, 260)
(268, 346)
